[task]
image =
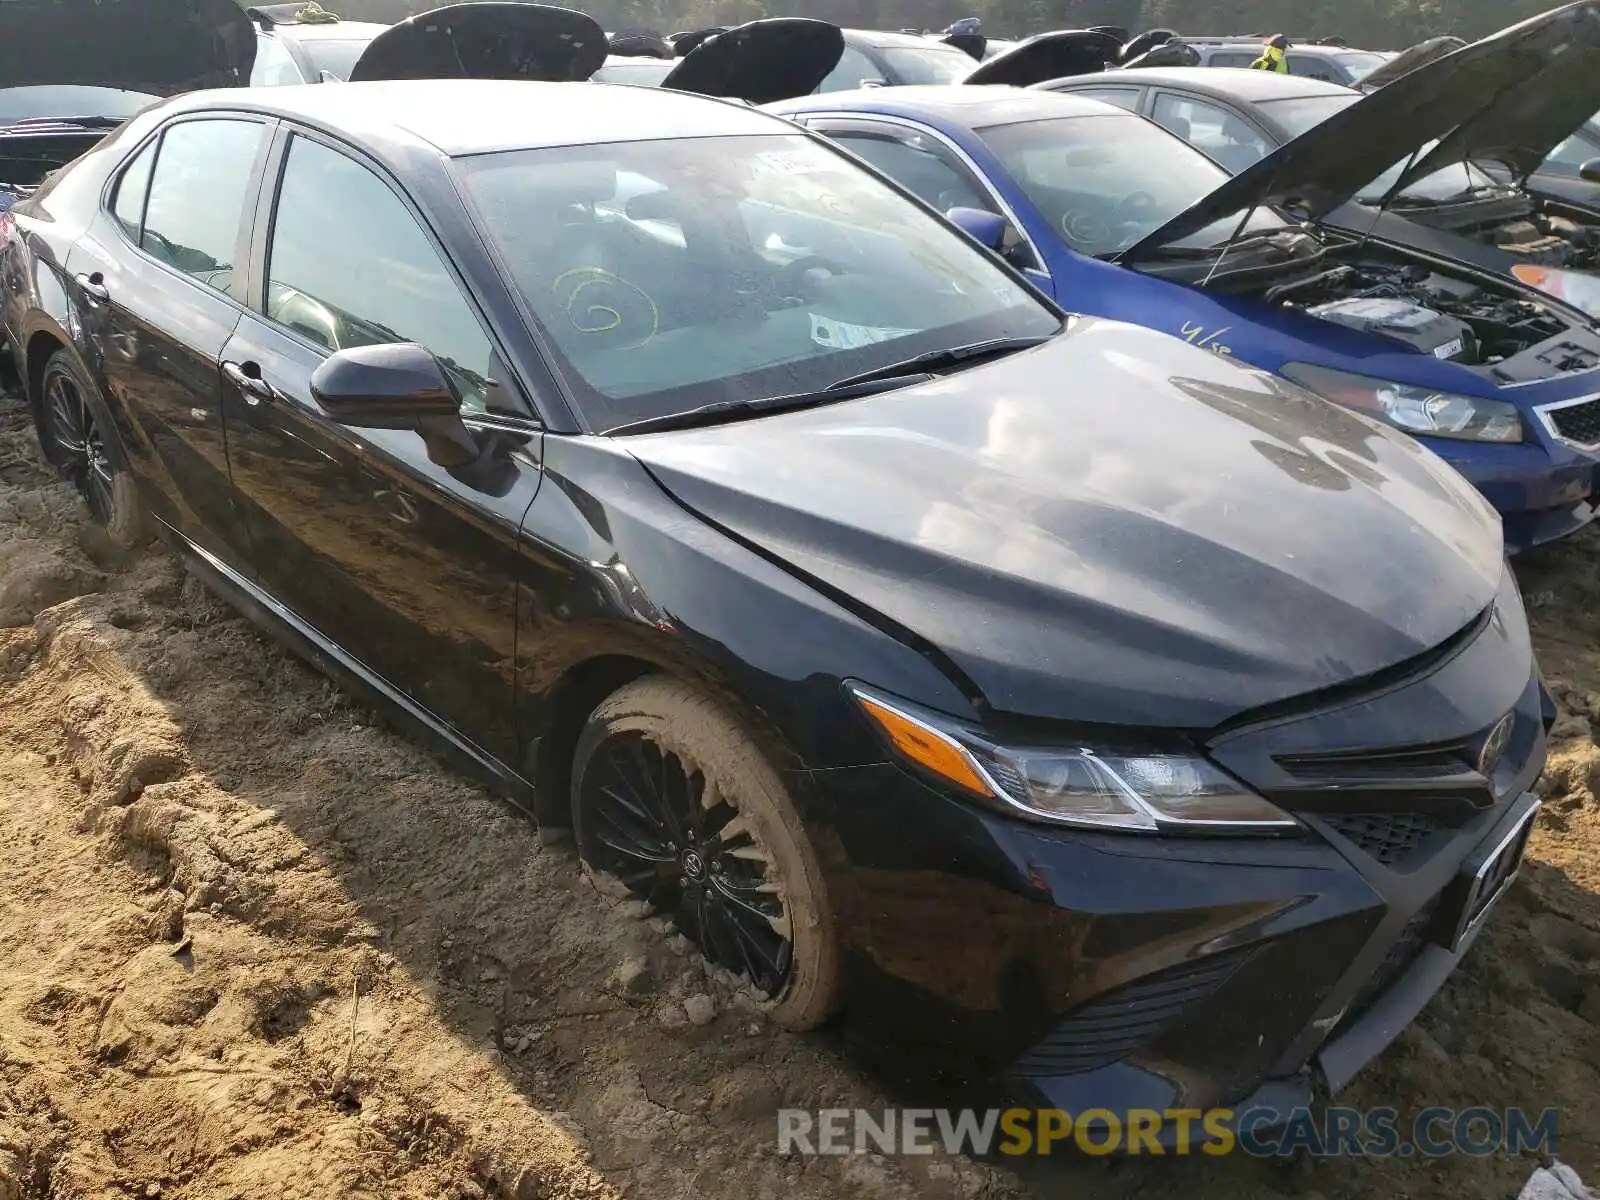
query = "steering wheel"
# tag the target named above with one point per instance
(787, 279)
(1136, 208)
(168, 250)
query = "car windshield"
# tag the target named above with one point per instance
(333, 56)
(1107, 181)
(70, 100)
(668, 275)
(1361, 63)
(1301, 113)
(927, 64)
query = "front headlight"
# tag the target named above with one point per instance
(1076, 785)
(1575, 288)
(1414, 409)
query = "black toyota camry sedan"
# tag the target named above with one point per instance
(1044, 690)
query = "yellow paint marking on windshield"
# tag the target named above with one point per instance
(597, 317)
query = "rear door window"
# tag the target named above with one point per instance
(1221, 133)
(202, 177)
(1231, 58)
(1314, 68)
(1127, 98)
(132, 188)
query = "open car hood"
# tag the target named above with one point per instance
(1330, 163)
(487, 41)
(1049, 56)
(973, 45)
(1408, 61)
(1531, 119)
(1167, 54)
(157, 46)
(762, 62)
(1145, 42)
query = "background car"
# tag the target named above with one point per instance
(1118, 217)
(879, 59)
(1448, 204)
(708, 493)
(300, 43)
(81, 68)
(1307, 60)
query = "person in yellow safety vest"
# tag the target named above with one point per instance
(1273, 56)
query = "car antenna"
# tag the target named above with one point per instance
(1400, 181)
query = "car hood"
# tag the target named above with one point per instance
(1531, 119)
(761, 62)
(1145, 42)
(1330, 163)
(973, 45)
(1049, 56)
(639, 43)
(153, 46)
(1408, 61)
(487, 41)
(1114, 527)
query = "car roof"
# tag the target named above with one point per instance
(971, 106)
(1237, 83)
(335, 31)
(477, 116)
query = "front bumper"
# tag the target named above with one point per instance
(1071, 969)
(1543, 493)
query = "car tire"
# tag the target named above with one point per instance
(80, 440)
(740, 877)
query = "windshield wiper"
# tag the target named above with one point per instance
(905, 373)
(712, 414)
(953, 356)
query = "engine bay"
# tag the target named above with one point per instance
(1497, 331)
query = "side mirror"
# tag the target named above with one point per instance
(1590, 170)
(398, 386)
(986, 228)
(874, 83)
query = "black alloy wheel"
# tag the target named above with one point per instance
(77, 444)
(651, 821)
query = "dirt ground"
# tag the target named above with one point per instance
(254, 945)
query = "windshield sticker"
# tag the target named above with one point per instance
(837, 335)
(791, 162)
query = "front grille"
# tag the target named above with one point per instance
(1392, 838)
(1112, 1026)
(1576, 423)
(1405, 949)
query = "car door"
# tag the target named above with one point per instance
(408, 568)
(1218, 130)
(161, 296)
(928, 168)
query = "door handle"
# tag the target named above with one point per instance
(247, 378)
(94, 286)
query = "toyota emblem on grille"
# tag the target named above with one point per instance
(1494, 745)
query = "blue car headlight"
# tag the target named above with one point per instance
(1073, 785)
(1414, 409)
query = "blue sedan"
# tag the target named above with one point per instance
(1112, 215)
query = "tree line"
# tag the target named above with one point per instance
(1375, 24)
